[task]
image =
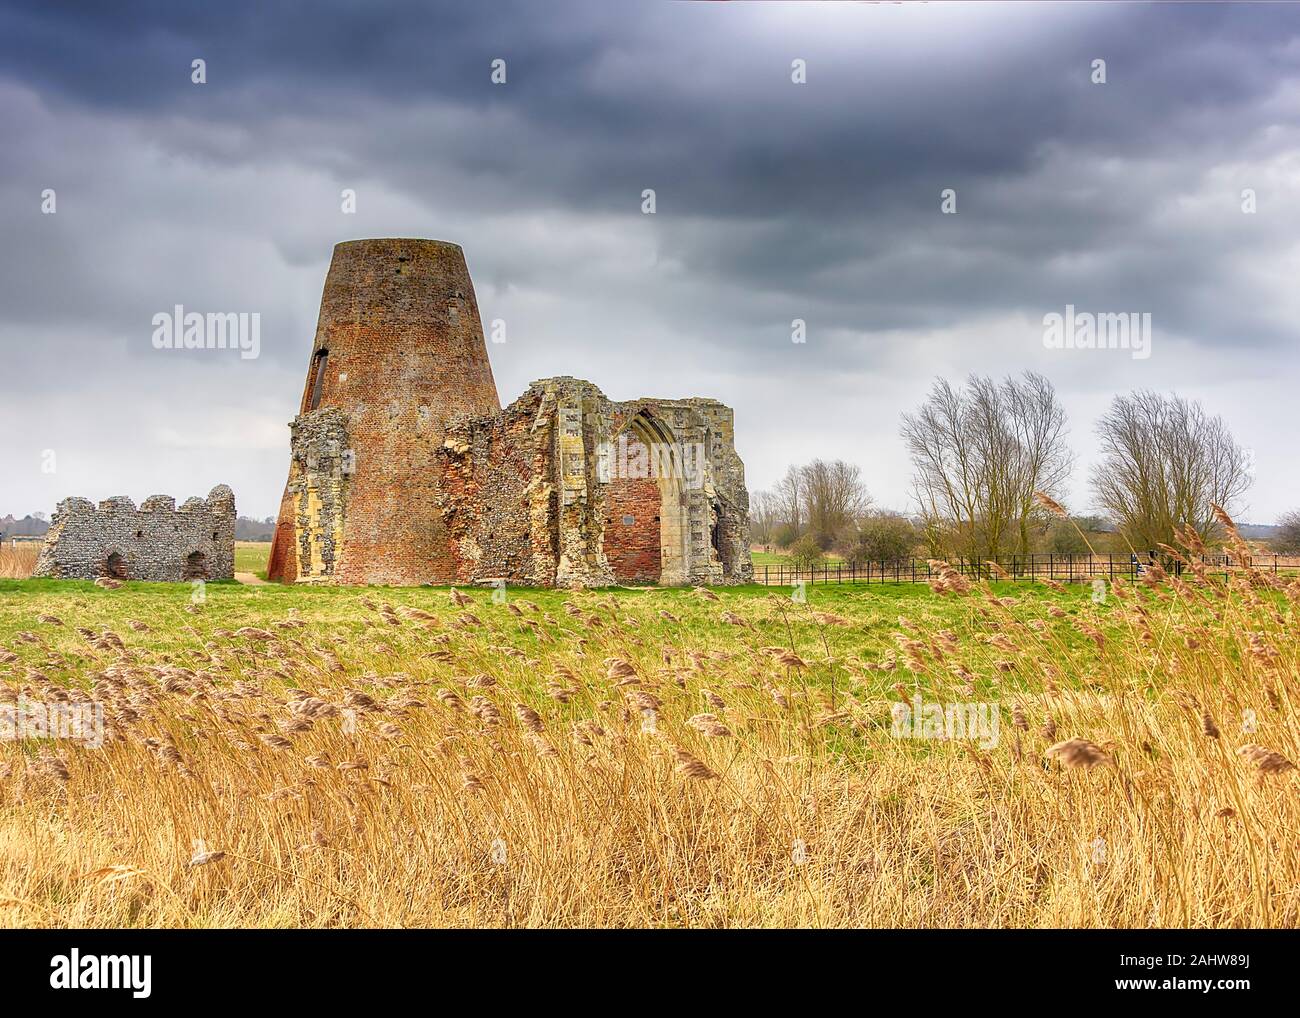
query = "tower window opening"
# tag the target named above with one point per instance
(318, 379)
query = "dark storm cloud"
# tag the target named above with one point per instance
(775, 201)
(604, 96)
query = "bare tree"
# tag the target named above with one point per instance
(980, 452)
(834, 498)
(764, 516)
(1165, 463)
(1043, 461)
(1287, 541)
(934, 527)
(789, 498)
(946, 475)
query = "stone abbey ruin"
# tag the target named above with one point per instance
(157, 541)
(405, 469)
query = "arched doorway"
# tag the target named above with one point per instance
(644, 509)
(196, 566)
(115, 566)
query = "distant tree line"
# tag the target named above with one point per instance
(982, 452)
(822, 507)
(249, 529)
(1288, 538)
(36, 525)
(33, 525)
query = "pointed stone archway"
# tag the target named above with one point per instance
(645, 534)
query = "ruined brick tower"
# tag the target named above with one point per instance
(404, 468)
(399, 350)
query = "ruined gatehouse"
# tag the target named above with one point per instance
(156, 541)
(405, 469)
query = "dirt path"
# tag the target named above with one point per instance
(252, 579)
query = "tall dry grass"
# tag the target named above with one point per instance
(18, 559)
(657, 760)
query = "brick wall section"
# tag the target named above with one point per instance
(489, 465)
(404, 352)
(283, 562)
(157, 541)
(633, 547)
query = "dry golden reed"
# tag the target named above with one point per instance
(18, 559)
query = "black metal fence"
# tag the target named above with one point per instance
(1061, 568)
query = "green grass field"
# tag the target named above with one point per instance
(179, 635)
(251, 556)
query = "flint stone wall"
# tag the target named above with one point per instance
(156, 541)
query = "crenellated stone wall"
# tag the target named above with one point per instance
(156, 541)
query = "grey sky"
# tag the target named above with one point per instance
(775, 201)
